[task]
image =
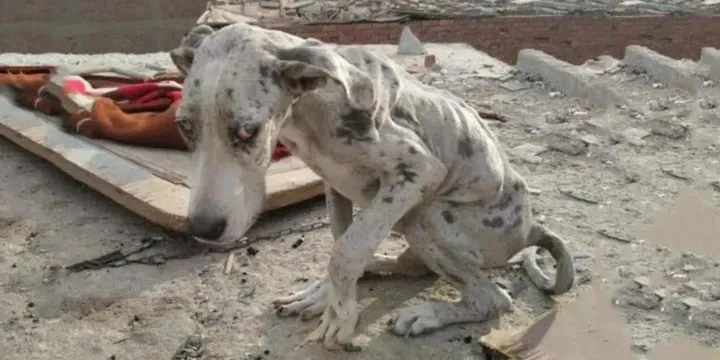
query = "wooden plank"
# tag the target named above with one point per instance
(130, 184)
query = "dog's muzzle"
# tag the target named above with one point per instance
(206, 228)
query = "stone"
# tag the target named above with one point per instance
(514, 85)
(409, 44)
(707, 315)
(528, 152)
(430, 61)
(691, 302)
(643, 281)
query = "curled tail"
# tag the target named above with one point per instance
(565, 272)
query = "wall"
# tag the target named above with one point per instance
(85, 26)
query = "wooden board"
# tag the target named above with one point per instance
(130, 182)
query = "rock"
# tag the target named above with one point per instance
(633, 136)
(659, 105)
(636, 297)
(706, 315)
(567, 145)
(643, 281)
(514, 85)
(691, 302)
(430, 61)
(528, 152)
(661, 293)
(409, 44)
(669, 129)
(707, 103)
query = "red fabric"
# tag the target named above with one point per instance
(140, 113)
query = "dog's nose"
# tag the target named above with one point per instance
(206, 228)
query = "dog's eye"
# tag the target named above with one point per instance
(243, 133)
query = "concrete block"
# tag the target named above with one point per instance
(668, 70)
(568, 78)
(711, 58)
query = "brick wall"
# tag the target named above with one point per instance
(137, 26)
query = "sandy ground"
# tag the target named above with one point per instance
(48, 221)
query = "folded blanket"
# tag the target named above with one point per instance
(139, 113)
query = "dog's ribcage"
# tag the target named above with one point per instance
(447, 126)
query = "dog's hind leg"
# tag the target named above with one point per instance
(453, 255)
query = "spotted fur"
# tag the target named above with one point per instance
(417, 160)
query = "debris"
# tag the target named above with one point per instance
(567, 145)
(430, 61)
(229, 262)
(706, 315)
(571, 194)
(675, 174)
(409, 44)
(251, 251)
(488, 115)
(659, 105)
(707, 103)
(669, 129)
(297, 243)
(514, 85)
(715, 185)
(192, 349)
(633, 136)
(643, 281)
(603, 64)
(661, 293)
(606, 233)
(528, 152)
(691, 302)
(636, 297)
(507, 345)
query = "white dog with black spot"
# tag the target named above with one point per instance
(415, 159)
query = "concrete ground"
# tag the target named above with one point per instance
(601, 178)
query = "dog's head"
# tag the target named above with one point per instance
(239, 88)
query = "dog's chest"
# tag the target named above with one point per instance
(353, 181)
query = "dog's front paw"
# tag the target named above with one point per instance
(307, 303)
(337, 325)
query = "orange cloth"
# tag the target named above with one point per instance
(107, 121)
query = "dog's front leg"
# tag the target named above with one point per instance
(400, 191)
(312, 301)
(339, 211)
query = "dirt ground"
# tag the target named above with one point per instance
(603, 194)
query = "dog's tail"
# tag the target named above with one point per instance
(565, 272)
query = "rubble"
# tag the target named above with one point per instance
(409, 44)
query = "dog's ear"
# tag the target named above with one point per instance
(311, 65)
(183, 55)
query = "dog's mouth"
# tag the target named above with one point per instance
(217, 244)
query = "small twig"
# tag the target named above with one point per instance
(606, 234)
(246, 295)
(674, 174)
(576, 197)
(229, 263)
(489, 115)
(121, 340)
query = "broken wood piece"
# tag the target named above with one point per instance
(490, 115)
(519, 345)
(607, 234)
(572, 195)
(229, 262)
